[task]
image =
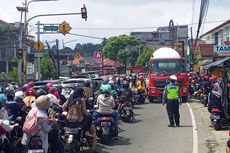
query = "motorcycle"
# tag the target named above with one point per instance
(106, 128)
(75, 138)
(35, 145)
(217, 118)
(126, 112)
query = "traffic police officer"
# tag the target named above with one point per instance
(171, 97)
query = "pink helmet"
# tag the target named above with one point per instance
(49, 85)
(25, 87)
(31, 84)
(141, 78)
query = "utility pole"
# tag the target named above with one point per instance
(39, 58)
(58, 63)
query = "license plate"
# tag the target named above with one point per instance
(105, 124)
(127, 108)
(71, 130)
(36, 151)
(215, 117)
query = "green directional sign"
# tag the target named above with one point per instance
(50, 28)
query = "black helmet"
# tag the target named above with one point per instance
(44, 87)
(126, 84)
(40, 92)
(78, 93)
(59, 88)
(9, 92)
(87, 83)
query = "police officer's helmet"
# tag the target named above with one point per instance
(173, 78)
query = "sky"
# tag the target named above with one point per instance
(108, 18)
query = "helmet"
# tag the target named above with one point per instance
(87, 83)
(2, 98)
(108, 88)
(111, 82)
(126, 84)
(49, 84)
(53, 100)
(78, 93)
(102, 89)
(213, 78)
(9, 91)
(141, 78)
(31, 84)
(173, 77)
(30, 92)
(44, 87)
(19, 94)
(39, 92)
(25, 87)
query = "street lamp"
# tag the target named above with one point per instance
(20, 48)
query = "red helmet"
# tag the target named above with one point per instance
(206, 78)
(49, 85)
(30, 92)
(213, 78)
(31, 84)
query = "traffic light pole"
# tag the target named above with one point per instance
(39, 58)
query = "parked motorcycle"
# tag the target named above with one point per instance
(106, 128)
(217, 118)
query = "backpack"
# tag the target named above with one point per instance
(30, 125)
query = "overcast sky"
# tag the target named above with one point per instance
(130, 15)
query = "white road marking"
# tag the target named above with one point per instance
(195, 135)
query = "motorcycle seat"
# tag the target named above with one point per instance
(75, 124)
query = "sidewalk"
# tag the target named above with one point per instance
(210, 140)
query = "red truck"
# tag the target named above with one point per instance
(163, 63)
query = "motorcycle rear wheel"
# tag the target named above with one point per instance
(105, 139)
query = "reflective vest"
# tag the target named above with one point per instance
(172, 92)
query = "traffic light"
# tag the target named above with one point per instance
(84, 13)
(20, 53)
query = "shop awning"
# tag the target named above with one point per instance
(218, 63)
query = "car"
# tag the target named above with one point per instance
(38, 84)
(75, 82)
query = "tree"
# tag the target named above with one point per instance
(144, 57)
(115, 47)
(14, 74)
(48, 70)
(87, 49)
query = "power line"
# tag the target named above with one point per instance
(80, 35)
(136, 28)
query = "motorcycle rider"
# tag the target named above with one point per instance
(141, 87)
(171, 97)
(29, 99)
(106, 103)
(88, 93)
(77, 113)
(126, 93)
(44, 124)
(214, 97)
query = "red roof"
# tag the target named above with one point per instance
(77, 61)
(216, 28)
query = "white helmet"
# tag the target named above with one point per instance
(53, 100)
(19, 94)
(173, 77)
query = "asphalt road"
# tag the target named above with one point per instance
(150, 133)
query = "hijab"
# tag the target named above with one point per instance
(217, 91)
(75, 96)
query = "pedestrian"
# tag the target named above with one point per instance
(171, 97)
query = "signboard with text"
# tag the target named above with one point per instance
(221, 48)
(98, 56)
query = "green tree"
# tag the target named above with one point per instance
(14, 74)
(47, 68)
(144, 57)
(115, 47)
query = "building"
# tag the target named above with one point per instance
(218, 35)
(162, 36)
